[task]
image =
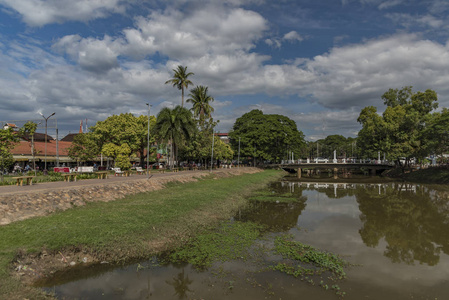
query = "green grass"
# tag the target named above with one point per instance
(122, 229)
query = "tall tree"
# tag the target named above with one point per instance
(174, 126)
(399, 132)
(181, 80)
(8, 140)
(84, 147)
(437, 132)
(267, 137)
(201, 103)
(125, 128)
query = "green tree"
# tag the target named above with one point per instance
(8, 140)
(174, 126)
(399, 132)
(200, 100)
(120, 154)
(84, 147)
(266, 137)
(125, 128)
(200, 144)
(181, 80)
(437, 132)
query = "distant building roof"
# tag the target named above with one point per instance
(10, 125)
(69, 137)
(37, 137)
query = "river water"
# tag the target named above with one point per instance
(395, 235)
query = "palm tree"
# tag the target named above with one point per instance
(200, 100)
(174, 126)
(180, 80)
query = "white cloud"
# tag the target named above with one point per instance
(357, 75)
(293, 36)
(43, 12)
(91, 54)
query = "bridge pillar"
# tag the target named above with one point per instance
(335, 171)
(373, 172)
(299, 173)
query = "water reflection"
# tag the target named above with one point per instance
(276, 214)
(412, 219)
(181, 284)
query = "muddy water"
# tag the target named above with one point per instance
(395, 235)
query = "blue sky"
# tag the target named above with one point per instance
(317, 62)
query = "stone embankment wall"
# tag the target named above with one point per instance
(20, 206)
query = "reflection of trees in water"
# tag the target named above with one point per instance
(181, 284)
(415, 225)
(280, 216)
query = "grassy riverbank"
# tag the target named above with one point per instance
(135, 227)
(432, 175)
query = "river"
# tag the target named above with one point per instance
(394, 235)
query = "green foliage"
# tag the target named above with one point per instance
(345, 147)
(266, 137)
(199, 146)
(301, 253)
(8, 140)
(175, 126)
(119, 153)
(122, 161)
(181, 80)
(399, 132)
(230, 241)
(201, 102)
(437, 132)
(125, 129)
(84, 147)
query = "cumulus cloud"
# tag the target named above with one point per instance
(43, 12)
(355, 75)
(91, 54)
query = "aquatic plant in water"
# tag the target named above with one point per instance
(302, 261)
(230, 241)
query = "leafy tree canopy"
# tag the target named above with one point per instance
(84, 147)
(399, 132)
(267, 137)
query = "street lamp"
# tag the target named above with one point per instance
(46, 119)
(148, 142)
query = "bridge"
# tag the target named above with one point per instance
(372, 168)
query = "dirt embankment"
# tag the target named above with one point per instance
(27, 204)
(33, 268)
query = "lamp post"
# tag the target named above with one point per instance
(46, 119)
(148, 141)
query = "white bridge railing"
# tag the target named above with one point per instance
(337, 161)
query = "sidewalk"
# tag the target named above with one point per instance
(57, 185)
